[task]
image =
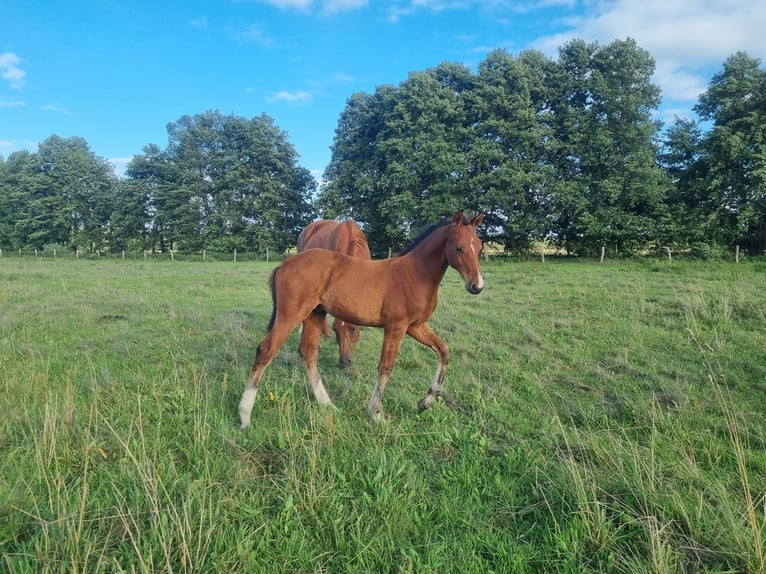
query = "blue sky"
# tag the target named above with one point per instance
(116, 72)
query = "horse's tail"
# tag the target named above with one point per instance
(272, 281)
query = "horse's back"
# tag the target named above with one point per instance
(316, 235)
(348, 287)
(344, 237)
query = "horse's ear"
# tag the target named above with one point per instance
(477, 219)
(459, 218)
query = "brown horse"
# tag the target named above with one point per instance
(345, 237)
(397, 294)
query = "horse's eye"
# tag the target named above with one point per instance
(459, 249)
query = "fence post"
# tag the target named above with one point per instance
(235, 255)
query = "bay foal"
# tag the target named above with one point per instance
(398, 295)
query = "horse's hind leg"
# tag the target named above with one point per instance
(268, 348)
(392, 339)
(309, 349)
(425, 335)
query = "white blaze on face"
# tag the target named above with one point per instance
(480, 283)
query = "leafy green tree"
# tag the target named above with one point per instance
(61, 195)
(399, 156)
(423, 144)
(605, 144)
(85, 185)
(130, 217)
(509, 174)
(681, 157)
(735, 155)
(17, 176)
(222, 183)
(148, 210)
(241, 178)
(352, 179)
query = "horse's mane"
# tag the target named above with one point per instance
(425, 232)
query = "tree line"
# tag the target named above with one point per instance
(563, 150)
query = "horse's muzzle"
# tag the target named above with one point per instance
(475, 287)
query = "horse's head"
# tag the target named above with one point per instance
(346, 336)
(463, 249)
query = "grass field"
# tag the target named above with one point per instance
(600, 418)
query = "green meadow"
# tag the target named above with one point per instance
(597, 418)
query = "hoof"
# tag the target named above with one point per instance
(423, 405)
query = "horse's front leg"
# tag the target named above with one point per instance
(309, 350)
(392, 338)
(425, 335)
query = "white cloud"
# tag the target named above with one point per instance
(686, 38)
(291, 4)
(56, 107)
(10, 69)
(334, 6)
(294, 97)
(325, 6)
(11, 103)
(253, 33)
(199, 23)
(343, 78)
(494, 7)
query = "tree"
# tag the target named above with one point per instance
(507, 158)
(735, 155)
(399, 156)
(17, 176)
(681, 157)
(223, 183)
(61, 195)
(611, 190)
(351, 186)
(423, 145)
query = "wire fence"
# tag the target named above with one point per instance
(204, 255)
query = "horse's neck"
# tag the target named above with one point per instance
(429, 258)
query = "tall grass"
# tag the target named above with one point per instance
(598, 418)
